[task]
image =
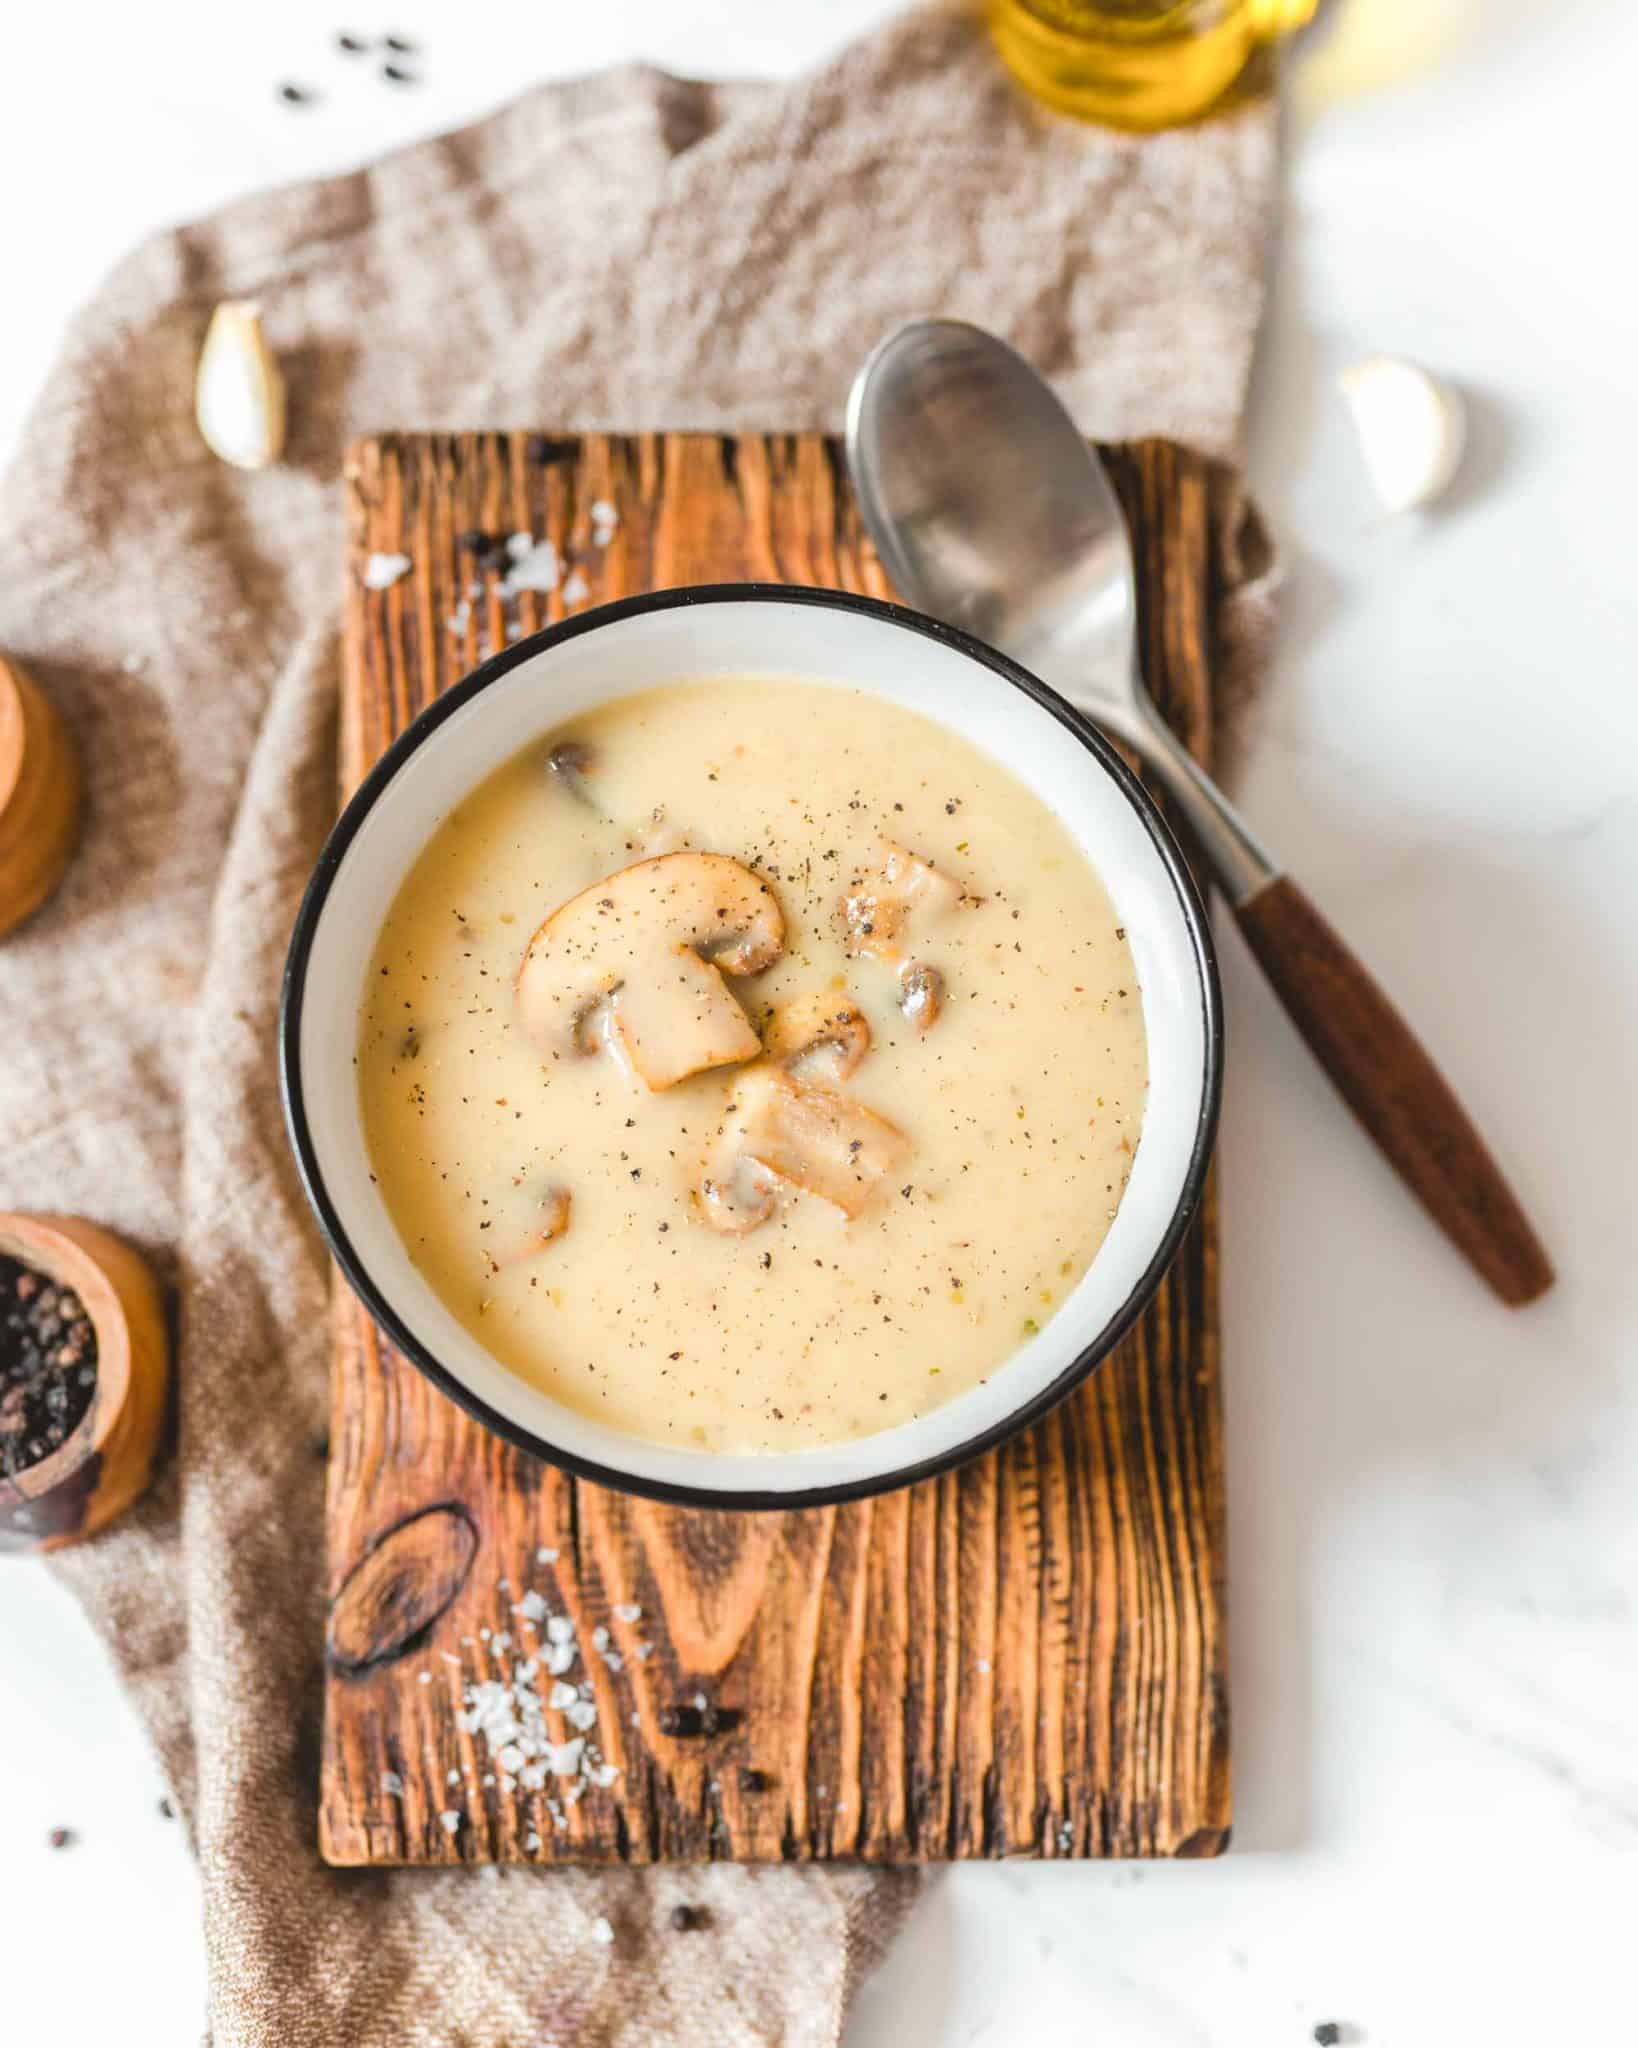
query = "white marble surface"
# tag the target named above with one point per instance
(1432, 1510)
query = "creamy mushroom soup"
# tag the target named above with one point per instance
(752, 1065)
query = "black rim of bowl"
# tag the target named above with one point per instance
(425, 725)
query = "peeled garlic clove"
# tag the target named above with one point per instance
(239, 394)
(1411, 429)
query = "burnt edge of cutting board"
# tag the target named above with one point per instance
(1023, 1658)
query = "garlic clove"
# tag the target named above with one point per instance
(1411, 429)
(239, 393)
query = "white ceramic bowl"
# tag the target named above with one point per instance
(809, 636)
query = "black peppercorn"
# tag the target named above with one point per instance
(687, 1919)
(61, 1838)
(1327, 2034)
(752, 1780)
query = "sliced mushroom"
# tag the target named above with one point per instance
(884, 900)
(816, 1139)
(544, 1228)
(649, 946)
(825, 1034)
(738, 1193)
(569, 763)
(921, 994)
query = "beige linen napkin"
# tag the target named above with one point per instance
(629, 251)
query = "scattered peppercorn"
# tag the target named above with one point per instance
(166, 1810)
(687, 1919)
(295, 95)
(751, 1779)
(62, 1838)
(395, 74)
(688, 1719)
(352, 46)
(400, 44)
(1327, 2034)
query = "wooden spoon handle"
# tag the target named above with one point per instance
(1394, 1089)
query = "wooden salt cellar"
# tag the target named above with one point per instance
(108, 1460)
(40, 793)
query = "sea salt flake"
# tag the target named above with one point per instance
(576, 590)
(559, 1657)
(503, 1641)
(984, 1664)
(531, 1843)
(534, 566)
(629, 1611)
(545, 1555)
(560, 1629)
(603, 1775)
(382, 571)
(511, 1758)
(452, 1778)
(423, 1677)
(602, 1931)
(642, 1652)
(532, 1607)
(600, 1638)
(562, 1695)
(449, 1821)
(392, 1783)
(581, 1715)
(563, 1758)
(614, 1660)
(532, 1777)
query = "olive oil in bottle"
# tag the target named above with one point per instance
(1136, 63)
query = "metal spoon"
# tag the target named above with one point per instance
(990, 510)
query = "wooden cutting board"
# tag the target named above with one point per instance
(1022, 1658)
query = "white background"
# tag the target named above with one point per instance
(1433, 1512)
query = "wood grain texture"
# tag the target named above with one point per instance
(1389, 1082)
(1025, 1657)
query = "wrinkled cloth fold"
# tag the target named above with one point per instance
(630, 250)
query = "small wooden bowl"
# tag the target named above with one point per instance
(41, 788)
(108, 1460)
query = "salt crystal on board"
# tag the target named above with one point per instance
(381, 572)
